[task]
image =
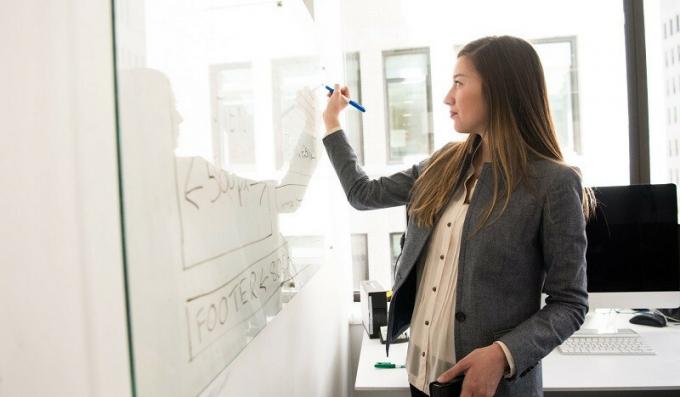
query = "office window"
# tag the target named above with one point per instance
(354, 120)
(231, 95)
(558, 56)
(395, 251)
(408, 104)
(359, 259)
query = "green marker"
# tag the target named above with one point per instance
(383, 364)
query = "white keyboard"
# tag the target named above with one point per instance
(589, 341)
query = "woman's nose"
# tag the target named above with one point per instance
(448, 99)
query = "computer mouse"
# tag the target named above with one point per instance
(649, 318)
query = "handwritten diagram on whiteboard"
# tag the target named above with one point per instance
(208, 193)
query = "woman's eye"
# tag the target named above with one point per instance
(457, 83)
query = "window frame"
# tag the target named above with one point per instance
(638, 105)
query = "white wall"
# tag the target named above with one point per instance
(61, 279)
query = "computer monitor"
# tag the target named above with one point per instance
(632, 256)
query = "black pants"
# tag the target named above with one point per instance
(415, 392)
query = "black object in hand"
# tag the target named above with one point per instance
(448, 389)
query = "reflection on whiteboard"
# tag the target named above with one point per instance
(233, 304)
(207, 265)
(233, 123)
(287, 76)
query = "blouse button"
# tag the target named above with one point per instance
(460, 316)
(427, 323)
(448, 224)
(441, 257)
(434, 289)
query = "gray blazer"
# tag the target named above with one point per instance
(537, 245)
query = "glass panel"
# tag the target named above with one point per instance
(407, 84)
(225, 216)
(359, 259)
(663, 71)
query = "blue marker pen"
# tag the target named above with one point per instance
(351, 102)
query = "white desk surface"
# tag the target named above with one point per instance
(560, 372)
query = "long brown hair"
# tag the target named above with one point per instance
(519, 129)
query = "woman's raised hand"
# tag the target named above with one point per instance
(336, 103)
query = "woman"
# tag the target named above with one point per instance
(493, 222)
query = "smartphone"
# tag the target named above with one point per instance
(448, 389)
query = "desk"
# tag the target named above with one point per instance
(560, 372)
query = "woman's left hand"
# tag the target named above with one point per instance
(483, 369)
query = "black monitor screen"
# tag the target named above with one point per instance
(633, 240)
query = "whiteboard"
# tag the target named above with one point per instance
(223, 221)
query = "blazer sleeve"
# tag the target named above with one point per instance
(362, 192)
(563, 241)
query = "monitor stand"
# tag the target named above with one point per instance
(602, 321)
